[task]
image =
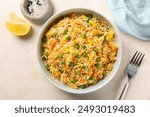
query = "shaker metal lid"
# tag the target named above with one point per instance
(37, 11)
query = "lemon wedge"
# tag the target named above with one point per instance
(17, 26)
(14, 17)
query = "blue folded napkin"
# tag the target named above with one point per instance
(132, 17)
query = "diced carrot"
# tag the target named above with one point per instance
(95, 74)
(82, 80)
(97, 32)
(73, 58)
(83, 28)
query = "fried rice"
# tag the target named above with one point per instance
(79, 50)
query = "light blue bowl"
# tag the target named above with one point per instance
(61, 85)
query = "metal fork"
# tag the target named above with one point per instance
(132, 69)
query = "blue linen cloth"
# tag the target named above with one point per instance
(132, 17)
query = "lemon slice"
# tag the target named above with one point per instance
(17, 26)
(14, 17)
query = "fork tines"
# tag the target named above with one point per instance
(137, 58)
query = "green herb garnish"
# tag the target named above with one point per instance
(89, 18)
(46, 55)
(77, 72)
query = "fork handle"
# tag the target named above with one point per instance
(124, 91)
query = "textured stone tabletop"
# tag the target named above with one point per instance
(20, 74)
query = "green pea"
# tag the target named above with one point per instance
(91, 78)
(62, 63)
(98, 59)
(68, 38)
(84, 47)
(73, 81)
(77, 46)
(47, 67)
(84, 54)
(65, 32)
(84, 36)
(54, 34)
(83, 66)
(61, 70)
(72, 64)
(97, 65)
(59, 56)
(57, 37)
(76, 55)
(82, 86)
(95, 50)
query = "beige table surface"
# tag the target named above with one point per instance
(20, 74)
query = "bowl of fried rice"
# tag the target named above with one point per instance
(79, 50)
